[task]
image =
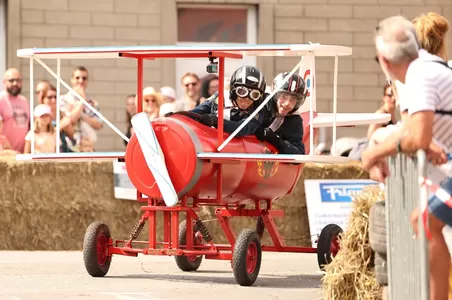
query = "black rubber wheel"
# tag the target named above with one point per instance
(247, 257)
(377, 228)
(184, 262)
(328, 244)
(381, 269)
(95, 249)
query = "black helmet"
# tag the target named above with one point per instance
(294, 86)
(250, 77)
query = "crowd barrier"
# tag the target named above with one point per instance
(407, 257)
(48, 205)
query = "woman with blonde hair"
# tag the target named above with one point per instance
(152, 100)
(431, 29)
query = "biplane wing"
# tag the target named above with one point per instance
(349, 119)
(71, 156)
(280, 158)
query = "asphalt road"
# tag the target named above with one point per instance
(62, 275)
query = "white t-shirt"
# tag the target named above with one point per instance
(428, 87)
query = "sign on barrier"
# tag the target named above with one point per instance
(123, 187)
(330, 201)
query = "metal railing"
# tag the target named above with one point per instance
(407, 258)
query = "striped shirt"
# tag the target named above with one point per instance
(428, 87)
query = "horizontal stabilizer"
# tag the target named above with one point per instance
(71, 156)
(281, 158)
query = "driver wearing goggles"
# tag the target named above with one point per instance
(247, 91)
(284, 128)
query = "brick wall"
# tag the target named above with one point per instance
(61, 23)
(84, 23)
(349, 23)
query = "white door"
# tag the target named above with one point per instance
(214, 23)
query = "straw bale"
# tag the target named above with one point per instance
(351, 273)
(48, 206)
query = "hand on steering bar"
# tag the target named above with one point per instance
(266, 134)
(210, 120)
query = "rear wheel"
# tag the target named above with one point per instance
(188, 263)
(95, 249)
(328, 244)
(247, 257)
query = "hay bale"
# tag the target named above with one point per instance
(48, 205)
(351, 274)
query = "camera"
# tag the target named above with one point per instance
(212, 67)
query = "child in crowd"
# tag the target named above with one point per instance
(44, 132)
(86, 145)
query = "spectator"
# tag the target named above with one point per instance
(66, 127)
(170, 104)
(209, 86)
(151, 102)
(388, 107)
(41, 90)
(130, 111)
(86, 145)
(5, 146)
(14, 110)
(44, 132)
(85, 121)
(427, 81)
(192, 97)
(169, 94)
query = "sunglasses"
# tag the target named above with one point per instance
(244, 92)
(190, 83)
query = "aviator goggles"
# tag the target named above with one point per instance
(244, 92)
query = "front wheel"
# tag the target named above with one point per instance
(95, 249)
(328, 244)
(247, 257)
(188, 263)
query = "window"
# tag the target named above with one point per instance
(214, 25)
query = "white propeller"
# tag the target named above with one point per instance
(154, 157)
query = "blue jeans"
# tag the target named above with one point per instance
(438, 208)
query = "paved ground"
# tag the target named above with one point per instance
(62, 275)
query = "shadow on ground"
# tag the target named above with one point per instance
(302, 281)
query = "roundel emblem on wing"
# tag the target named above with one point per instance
(307, 80)
(252, 78)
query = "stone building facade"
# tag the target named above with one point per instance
(67, 23)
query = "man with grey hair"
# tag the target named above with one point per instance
(428, 97)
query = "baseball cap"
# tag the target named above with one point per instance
(42, 109)
(168, 92)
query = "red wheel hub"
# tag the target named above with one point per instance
(334, 246)
(251, 258)
(101, 249)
